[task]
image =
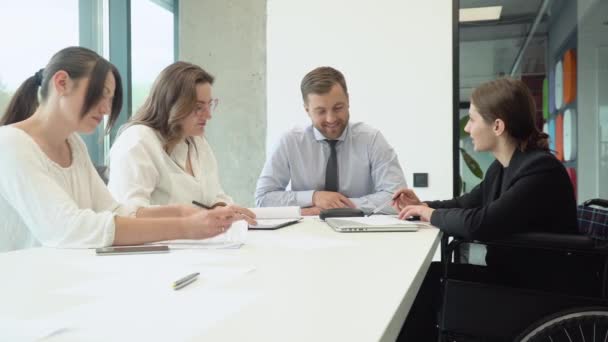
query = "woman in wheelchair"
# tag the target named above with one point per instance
(526, 189)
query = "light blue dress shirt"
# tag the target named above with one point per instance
(368, 168)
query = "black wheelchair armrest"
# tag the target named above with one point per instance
(534, 240)
(550, 241)
(575, 243)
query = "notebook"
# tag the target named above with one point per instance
(269, 218)
(376, 223)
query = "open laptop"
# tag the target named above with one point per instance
(379, 223)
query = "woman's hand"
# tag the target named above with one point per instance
(188, 210)
(240, 213)
(404, 197)
(208, 223)
(417, 210)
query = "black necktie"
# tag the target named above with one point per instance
(331, 172)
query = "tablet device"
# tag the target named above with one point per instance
(272, 224)
(121, 250)
(341, 212)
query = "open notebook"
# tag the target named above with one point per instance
(375, 223)
(276, 217)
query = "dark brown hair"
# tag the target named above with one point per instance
(78, 63)
(511, 101)
(172, 98)
(320, 81)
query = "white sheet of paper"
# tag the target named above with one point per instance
(18, 330)
(233, 238)
(276, 213)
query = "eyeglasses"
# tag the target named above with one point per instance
(202, 105)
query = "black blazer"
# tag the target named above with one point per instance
(533, 194)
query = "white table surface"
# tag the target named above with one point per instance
(302, 283)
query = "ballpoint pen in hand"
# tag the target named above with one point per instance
(227, 236)
(199, 204)
(379, 208)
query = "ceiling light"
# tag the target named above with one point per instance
(480, 13)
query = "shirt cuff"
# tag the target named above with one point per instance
(110, 231)
(304, 198)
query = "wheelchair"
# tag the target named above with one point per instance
(554, 307)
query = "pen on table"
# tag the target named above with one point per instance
(377, 210)
(178, 284)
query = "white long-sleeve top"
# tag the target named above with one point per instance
(142, 173)
(42, 203)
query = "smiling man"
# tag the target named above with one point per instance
(331, 163)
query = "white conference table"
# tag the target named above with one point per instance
(300, 283)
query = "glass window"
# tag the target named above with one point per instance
(152, 44)
(53, 25)
(559, 49)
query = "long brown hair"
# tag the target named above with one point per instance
(172, 98)
(78, 63)
(511, 101)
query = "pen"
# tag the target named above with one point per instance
(199, 204)
(218, 204)
(178, 284)
(377, 210)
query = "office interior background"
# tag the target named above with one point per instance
(410, 68)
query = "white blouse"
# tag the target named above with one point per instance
(143, 174)
(43, 203)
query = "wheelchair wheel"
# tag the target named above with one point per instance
(582, 324)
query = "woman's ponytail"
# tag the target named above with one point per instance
(24, 102)
(537, 141)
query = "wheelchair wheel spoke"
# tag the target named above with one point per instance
(580, 329)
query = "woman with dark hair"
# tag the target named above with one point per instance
(50, 192)
(162, 156)
(526, 189)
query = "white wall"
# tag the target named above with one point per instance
(396, 56)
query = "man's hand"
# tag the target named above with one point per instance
(329, 199)
(312, 211)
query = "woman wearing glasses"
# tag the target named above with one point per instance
(161, 156)
(50, 193)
